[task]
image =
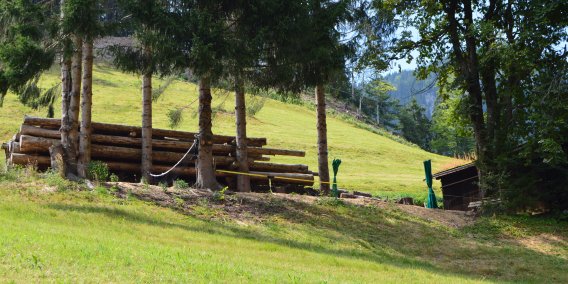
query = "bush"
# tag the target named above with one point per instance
(220, 195)
(114, 178)
(98, 171)
(11, 173)
(181, 184)
(54, 179)
(330, 201)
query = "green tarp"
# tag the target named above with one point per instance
(431, 201)
(335, 165)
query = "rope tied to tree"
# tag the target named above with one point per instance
(193, 150)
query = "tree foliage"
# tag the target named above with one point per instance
(496, 52)
(25, 50)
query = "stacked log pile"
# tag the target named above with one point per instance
(119, 146)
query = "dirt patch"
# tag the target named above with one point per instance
(451, 218)
(547, 244)
(253, 207)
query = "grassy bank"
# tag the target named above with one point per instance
(51, 231)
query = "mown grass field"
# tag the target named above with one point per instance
(53, 232)
(371, 162)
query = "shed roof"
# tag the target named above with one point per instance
(438, 175)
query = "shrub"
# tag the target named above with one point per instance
(114, 178)
(220, 195)
(98, 171)
(11, 173)
(53, 178)
(181, 184)
(164, 186)
(330, 201)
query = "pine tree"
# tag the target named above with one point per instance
(24, 50)
(82, 21)
(150, 54)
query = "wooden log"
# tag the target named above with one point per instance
(135, 131)
(406, 201)
(347, 195)
(6, 149)
(364, 194)
(274, 152)
(14, 146)
(294, 178)
(36, 145)
(160, 144)
(23, 159)
(280, 168)
(40, 145)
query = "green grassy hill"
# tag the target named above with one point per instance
(371, 162)
(55, 231)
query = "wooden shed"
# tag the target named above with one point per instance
(459, 186)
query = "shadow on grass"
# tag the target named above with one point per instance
(387, 236)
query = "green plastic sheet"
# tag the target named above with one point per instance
(335, 165)
(431, 201)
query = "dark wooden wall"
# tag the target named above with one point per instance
(460, 188)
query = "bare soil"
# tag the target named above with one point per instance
(251, 206)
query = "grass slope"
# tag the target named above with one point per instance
(66, 235)
(371, 162)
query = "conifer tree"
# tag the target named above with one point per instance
(82, 20)
(150, 54)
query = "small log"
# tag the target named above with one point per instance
(293, 178)
(36, 145)
(274, 152)
(364, 194)
(135, 131)
(280, 168)
(12, 147)
(406, 201)
(347, 195)
(23, 159)
(6, 148)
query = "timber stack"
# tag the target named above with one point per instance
(119, 146)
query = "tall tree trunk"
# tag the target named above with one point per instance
(475, 96)
(378, 116)
(205, 171)
(146, 126)
(66, 120)
(76, 66)
(243, 182)
(66, 123)
(360, 104)
(488, 69)
(86, 109)
(323, 163)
